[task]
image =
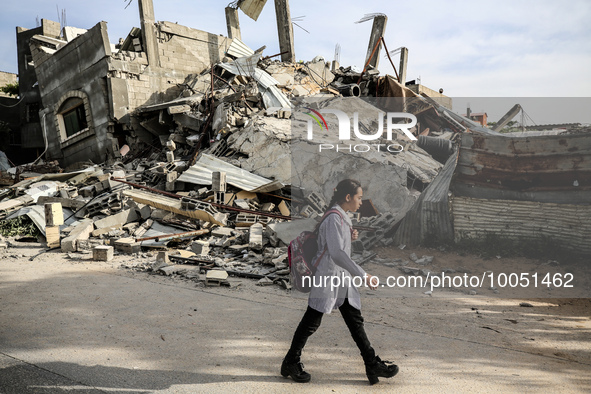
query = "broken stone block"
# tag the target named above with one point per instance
(163, 257)
(106, 230)
(169, 157)
(52, 236)
(102, 253)
(127, 245)
(118, 174)
(267, 207)
(221, 232)
(170, 186)
(283, 208)
(172, 176)
(170, 269)
(170, 145)
(220, 197)
(218, 181)
(242, 204)
(86, 191)
(119, 219)
(308, 212)
(264, 281)
(256, 236)
(216, 275)
(80, 232)
(141, 230)
(54, 215)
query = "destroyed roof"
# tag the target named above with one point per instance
(201, 174)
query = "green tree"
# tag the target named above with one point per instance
(10, 89)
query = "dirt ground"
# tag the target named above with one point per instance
(103, 328)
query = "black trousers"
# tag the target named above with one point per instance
(310, 323)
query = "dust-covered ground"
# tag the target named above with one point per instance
(72, 324)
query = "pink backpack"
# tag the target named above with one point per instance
(301, 252)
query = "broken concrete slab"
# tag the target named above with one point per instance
(119, 219)
(82, 231)
(222, 232)
(255, 240)
(216, 275)
(288, 231)
(203, 211)
(127, 245)
(105, 230)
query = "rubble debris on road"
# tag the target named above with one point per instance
(197, 156)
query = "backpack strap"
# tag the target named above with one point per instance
(325, 216)
(318, 227)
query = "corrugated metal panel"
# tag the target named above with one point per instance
(239, 49)
(567, 224)
(252, 8)
(429, 219)
(550, 168)
(201, 174)
(272, 96)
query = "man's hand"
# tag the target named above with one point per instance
(354, 235)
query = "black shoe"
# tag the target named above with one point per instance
(380, 369)
(296, 371)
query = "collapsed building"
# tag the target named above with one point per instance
(204, 149)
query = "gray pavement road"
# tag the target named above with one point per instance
(82, 326)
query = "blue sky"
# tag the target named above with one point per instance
(470, 49)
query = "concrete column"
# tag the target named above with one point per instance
(377, 32)
(233, 23)
(147, 21)
(285, 30)
(403, 63)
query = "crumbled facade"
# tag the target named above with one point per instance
(88, 88)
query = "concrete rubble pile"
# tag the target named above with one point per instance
(216, 176)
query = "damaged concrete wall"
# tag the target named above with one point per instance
(76, 70)
(182, 54)
(111, 85)
(31, 133)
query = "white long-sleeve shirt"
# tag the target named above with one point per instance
(335, 235)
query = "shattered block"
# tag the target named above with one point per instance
(218, 181)
(268, 207)
(128, 245)
(283, 209)
(172, 176)
(54, 215)
(121, 218)
(221, 232)
(110, 201)
(220, 197)
(317, 202)
(255, 240)
(169, 157)
(200, 247)
(80, 233)
(248, 219)
(162, 257)
(171, 145)
(170, 186)
(52, 236)
(102, 253)
(308, 212)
